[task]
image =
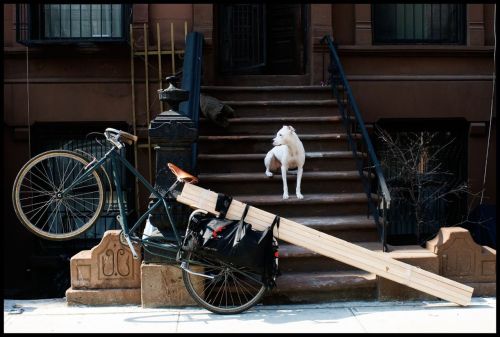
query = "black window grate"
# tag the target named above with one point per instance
(419, 23)
(72, 23)
(72, 137)
(450, 165)
(242, 38)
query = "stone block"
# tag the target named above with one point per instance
(108, 265)
(162, 286)
(103, 296)
(415, 256)
(464, 261)
(106, 274)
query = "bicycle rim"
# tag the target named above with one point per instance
(231, 290)
(45, 205)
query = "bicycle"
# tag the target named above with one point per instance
(59, 194)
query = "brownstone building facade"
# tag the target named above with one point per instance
(60, 82)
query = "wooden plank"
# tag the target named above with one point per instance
(375, 262)
(346, 252)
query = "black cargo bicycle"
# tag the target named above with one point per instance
(59, 194)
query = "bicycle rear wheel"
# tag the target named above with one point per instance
(219, 287)
(45, 205)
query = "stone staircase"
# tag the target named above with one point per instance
(231, 161)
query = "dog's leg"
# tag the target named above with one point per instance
(297, 187)
(267, 163)
(285, 186)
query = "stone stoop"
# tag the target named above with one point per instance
(105, 275)
(413, 255)
(452, 254)
(464, 261)
(162, 286)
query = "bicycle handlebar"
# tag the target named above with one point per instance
(117, 137)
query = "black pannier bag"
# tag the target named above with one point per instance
(235, 241)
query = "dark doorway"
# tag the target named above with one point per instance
(260, 39)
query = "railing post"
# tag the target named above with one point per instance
(191, 81)
(174, 135)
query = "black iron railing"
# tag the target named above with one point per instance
(366, 160)
(191, 81)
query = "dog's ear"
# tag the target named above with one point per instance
(291, 128)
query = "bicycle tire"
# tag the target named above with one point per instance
(201, 288)
(55, 170)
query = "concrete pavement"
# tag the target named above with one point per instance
(53, 315)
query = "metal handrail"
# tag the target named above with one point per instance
(191, 81)
(338, 78)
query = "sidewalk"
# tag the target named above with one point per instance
(53, 315)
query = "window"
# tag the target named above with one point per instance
(425, 166)
(419, 23)
(53, 23)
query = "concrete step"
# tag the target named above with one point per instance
(284, 108)
(352, 228)
(315, 287)
(255, 93)
(268, 80)
(311, 205)
(270, 125)
(293, 258)
(254, 162)
(263, 143)
(259, 183)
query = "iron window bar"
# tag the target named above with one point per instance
(39, 24)
(419, 23)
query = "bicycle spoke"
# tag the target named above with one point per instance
(41, 191)
(64, 174)
(83, 205)
(231, 290)
(69, 174)
(56, 211)
(75, 217)
(46, 203)
(43, 206)
(48, 179)
(78, 211)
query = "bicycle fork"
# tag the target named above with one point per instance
(122, 218)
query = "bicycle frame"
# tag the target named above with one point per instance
(129, 233)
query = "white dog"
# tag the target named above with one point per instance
(287, 153)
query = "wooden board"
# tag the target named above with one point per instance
(378, 263)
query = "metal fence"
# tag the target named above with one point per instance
(419, 23)
(430, 172)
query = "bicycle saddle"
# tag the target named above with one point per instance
(182, 175)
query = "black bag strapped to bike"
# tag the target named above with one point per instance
(235, 241)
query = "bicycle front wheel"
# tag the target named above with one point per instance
(219, 287)
(46, 205)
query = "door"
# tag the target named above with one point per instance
(284, 38)
(242, 42)
(261, 39)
